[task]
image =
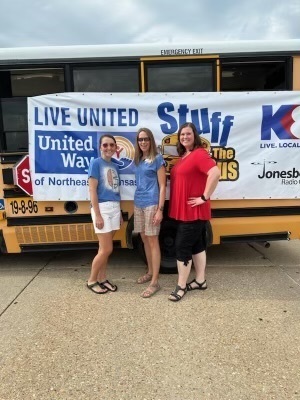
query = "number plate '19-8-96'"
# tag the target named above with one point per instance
(20, 207)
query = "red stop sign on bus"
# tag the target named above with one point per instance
(22, 176)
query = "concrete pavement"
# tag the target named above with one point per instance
(240, 339)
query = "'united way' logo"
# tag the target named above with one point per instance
(124, 155)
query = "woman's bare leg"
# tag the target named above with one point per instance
(183, 274)
(199, 261)
(155, 256)
(147, 252)
(99, 264)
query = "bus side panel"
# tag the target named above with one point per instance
(296, 73)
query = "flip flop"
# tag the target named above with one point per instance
(92, 285)
(111, 287)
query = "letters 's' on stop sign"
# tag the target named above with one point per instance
(22, 176)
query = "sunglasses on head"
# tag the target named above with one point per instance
(143, 139)
(105, 145)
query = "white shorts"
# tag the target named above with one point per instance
(111, 214)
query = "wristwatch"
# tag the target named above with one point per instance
(203, 198)
(161, 209)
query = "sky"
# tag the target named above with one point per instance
(26, 23)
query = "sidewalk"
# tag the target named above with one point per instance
(237, 340)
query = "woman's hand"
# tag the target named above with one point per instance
(99, 222)
(158, 217)
(195, 201)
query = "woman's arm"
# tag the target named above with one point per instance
(161, 177)
(93, 184)
(213, 176)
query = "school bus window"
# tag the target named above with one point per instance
(179, 77)
(31, 82)
(244, 76)
(14, 120)
(14, 114)
(15, 86)
(106, 79)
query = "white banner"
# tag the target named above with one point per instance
(254, 138)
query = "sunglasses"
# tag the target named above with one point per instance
(105, 145)
(143, 139)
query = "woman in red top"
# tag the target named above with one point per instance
(193, 180)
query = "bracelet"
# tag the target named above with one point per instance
(161, 209)
(203, 198)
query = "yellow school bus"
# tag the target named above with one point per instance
(28, 225)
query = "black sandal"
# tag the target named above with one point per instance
(175, 294)
(92, 285)
(198, 287)
(111, 288)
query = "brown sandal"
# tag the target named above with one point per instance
(150, 291)
(145, 278)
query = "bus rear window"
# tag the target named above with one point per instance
(180, 77)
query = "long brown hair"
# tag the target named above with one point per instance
(138, 154)
(197, 141)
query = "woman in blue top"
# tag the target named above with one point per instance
(105, 209)
(149, 199)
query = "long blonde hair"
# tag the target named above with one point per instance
(138, 154)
